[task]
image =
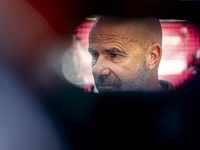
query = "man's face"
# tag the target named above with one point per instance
(118, 62)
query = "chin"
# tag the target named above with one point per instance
(108, 89)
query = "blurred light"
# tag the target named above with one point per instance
(172, 20)
(180, 43)
(172, 67)
(76, 63)
(171, 40)
(198, 54)
(90, 19)
(184, 30)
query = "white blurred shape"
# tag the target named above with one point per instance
(172, 67)
(198, 54)
(76, 64)
(171, 40)
(184, 30)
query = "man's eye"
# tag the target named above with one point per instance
(95, 55)
(114, 55)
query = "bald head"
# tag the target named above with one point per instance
(144, 31)
(125, 53)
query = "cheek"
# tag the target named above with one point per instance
(125, 71)
(129, 67)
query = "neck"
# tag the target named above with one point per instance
(153, 83)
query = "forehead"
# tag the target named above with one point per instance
(112, 28)
(121, 33)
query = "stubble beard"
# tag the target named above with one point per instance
(137, 83)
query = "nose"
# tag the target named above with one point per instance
(101, 68)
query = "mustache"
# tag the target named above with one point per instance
(106, 80)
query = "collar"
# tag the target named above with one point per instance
(166, 85)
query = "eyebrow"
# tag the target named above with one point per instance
(115, 50)
(111, 50)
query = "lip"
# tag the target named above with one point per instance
(106, 86)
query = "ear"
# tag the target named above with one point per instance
(153, 55)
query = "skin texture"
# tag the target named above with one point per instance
(125, 54)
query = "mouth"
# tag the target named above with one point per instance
(106, 86)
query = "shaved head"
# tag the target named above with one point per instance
(145, 31)
(125, 53)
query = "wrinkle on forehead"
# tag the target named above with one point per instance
(118, 40)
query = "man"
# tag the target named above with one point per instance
(126, 54)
